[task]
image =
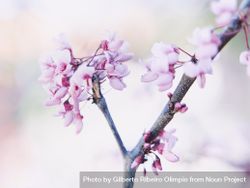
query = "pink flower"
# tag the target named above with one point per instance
(75, 90)
(83, 75)
(207, 47)
(68, 80)
(224, 10)
(62, 42)
(164, 81)
(170, 156)
(111, 63)
(207, 42)
(160, 68)
(68, 118)
(56, 93)
(160, 148)
(52, 101)
(163, 144)
(198, 69)
(170, 140)
(117, 83)
(48, 70)
(245, 60)
(62, 61)
(115, 49)
(71, 114)
(65, 110)
(78, 122)
(149, 76)
(180, 107)
(169, 52)
(117, 70)
(123, 57)
(111, 43)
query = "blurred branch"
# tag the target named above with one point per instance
(100, 101)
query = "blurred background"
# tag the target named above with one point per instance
(214, 134)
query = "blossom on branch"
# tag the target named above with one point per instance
(68, 80)
(207, 43)
(115, 54)
(160, 67)
(182, 108)
(198, 69)
(163, 145)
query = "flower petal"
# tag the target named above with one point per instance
(190, 69)
(149, 77)
(117, 83)
(165, 87)
(68, 118)
(61, 92)
(201, 80)
(78, 122)
(171, 156)
(52, 102)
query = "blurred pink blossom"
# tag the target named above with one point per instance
(224, 10)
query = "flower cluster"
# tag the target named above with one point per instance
(68, 80)
(162, 65)
(206, 42)
(114, 55)
(160, 68)
(224, 10)
(161, 145)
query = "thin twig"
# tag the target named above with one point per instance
(100, 101)
(246, 36)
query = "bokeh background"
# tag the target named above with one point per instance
(37, 151)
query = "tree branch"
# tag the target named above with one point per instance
(100, 101)
(186, 82)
